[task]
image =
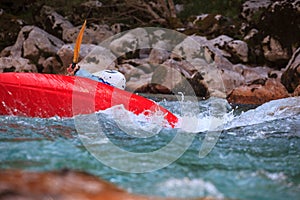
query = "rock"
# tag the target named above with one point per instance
(291, 75)
(179, 76)
(211, 25)
(252, 9)
(52, 22)
(99, 58)
(274, 24)
(281, 21)
(235, 51)
(297, 91)
(66, 52)
(63, 185)
(274, 51)
(16, 64)
(34, 43)
(140, 84)
(261, 91)
(93, 34)
(10, 26)
(52, 66)
(278, 25)
(130, 71)
(130, 42)
(210, 62)
(158, 56)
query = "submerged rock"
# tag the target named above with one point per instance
(62, 185)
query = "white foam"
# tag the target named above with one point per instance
(186, 187)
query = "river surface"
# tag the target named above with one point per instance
(240, 153)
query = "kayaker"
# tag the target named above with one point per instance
(110, 77)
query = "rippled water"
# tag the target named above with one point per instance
(256, 153)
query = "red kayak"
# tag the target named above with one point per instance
(49, 95)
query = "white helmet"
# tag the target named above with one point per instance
(113, 77)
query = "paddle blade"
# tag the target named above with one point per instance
(78, 43)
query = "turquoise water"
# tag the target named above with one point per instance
(256, 155)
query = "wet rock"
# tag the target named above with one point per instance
(259, 92)
(291, 75)
(63, 185)
(16, 64)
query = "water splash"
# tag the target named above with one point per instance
(273, 110)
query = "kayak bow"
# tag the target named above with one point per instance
(49, 95)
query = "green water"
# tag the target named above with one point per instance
(256, 156)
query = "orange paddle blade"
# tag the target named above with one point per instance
(78, 43)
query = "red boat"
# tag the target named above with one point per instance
(49, 95)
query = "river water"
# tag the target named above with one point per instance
(240, 152)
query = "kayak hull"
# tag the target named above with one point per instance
(49, 95)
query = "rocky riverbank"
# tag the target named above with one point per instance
(249, 60)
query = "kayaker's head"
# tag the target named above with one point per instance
(113, 77)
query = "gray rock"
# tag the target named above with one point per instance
(52, 66)
(33, 43)
(234, 50)
(273, 50)
(291, 75)
(93, 34)
(252, 9)
(52, 22)
(66, 52)
(16, 64)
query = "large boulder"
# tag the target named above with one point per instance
(258, 92)
(291, 76)
(33, 43)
